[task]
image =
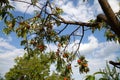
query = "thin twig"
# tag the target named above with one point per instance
(26, 10)
(63, 29)
(80, 41)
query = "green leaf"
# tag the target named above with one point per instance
(108, 68)
(98, 73)
(24, 35)
(58, 23)
(7, 30)
(23, 42)
(91, 21)
(34, 2)
(90, 77)
(58, 11)
(2, 14)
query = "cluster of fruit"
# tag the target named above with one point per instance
(83, 65)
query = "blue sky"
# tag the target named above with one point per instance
(94, 46)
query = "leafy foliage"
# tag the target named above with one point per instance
(36, 67)
(106, 74)
(4, 9)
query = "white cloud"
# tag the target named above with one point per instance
(83, 11)
(7, 55)
(97, 54)
(115, 5)
(106, 48)
(92, 45)
(5, 45)
(96, 49)
(24, 7)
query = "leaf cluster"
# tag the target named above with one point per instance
(35, 68)
(106, 74)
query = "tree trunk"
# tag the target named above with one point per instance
(112, 20)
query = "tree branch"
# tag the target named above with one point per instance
(77, 23)
(101, 17)
(111, 18)
(116, 64)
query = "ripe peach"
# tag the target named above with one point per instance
(65, 78)
(79, 61)
(85, 65)
(65, 55)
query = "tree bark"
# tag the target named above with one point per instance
(101, 17)
(111, 18)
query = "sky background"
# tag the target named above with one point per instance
(94, 46)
